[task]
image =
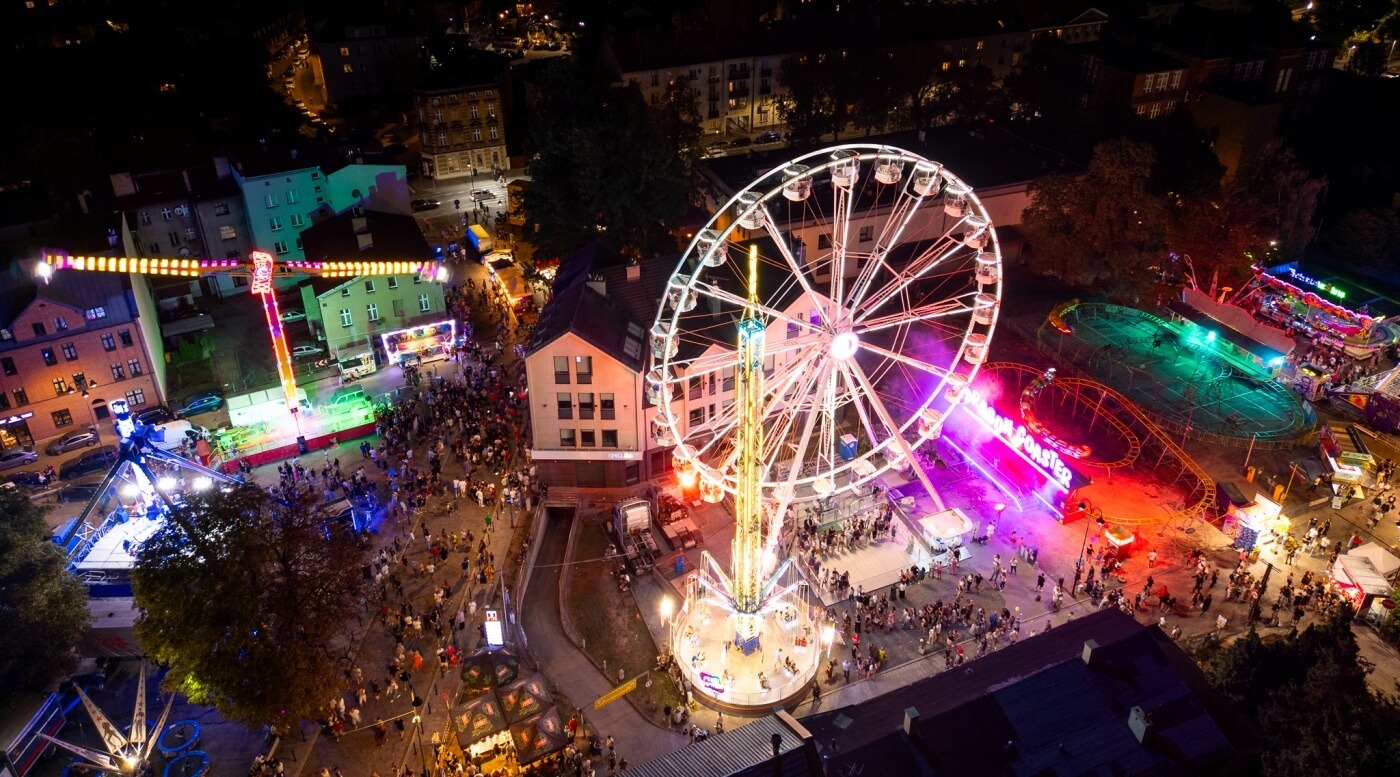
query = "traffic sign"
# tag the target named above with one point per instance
(615, 694)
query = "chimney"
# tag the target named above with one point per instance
(1088, 655)
(911, 722)
(634, 271)
(1140, 723)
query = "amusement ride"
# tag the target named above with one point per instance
(867, 301)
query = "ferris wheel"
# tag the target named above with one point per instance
(878, 289)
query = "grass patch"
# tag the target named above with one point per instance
(608, 620)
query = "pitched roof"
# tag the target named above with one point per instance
(739, 751)
(393, 237)
(584, 312)
(71, 288)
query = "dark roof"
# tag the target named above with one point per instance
(1131, 57)
(1040, 694)
(473, 68)
(746, 750)
(395, 237)
(24, 204)
(273, 161)
(983, 155)
(593, 317)
(1240, 339)
(1039, 14)
(332, 29)
(73, 288)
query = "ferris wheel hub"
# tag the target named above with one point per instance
(844, 345)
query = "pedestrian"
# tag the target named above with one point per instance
(816, 694)
(1151, 558)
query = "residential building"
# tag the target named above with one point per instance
(1120, 74)
(357, 59)
(281, 192)
(371, 181)
(349, 315)
(71, 346)
(461, 119)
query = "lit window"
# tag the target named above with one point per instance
(344, 51)
(108, 343)
(228, 233)
(134, 366)
(92, 314)
(62, 418)
(118, 372)
(136, 397)
(70, 352)
(348, 67)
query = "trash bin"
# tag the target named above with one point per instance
(680, 563)
(1249, 473)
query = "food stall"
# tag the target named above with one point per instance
(1260, 523)
(481, 728)
(1359, 581)
(1345, 453)
(944, 532)
(1118, 540)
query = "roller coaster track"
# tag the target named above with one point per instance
(1138, 428)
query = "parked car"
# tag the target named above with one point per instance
(27, 478)
(77, 492)
(482, 195)
(771, 136)
(96, 460)
(306, 350)
(421, 205)
(153, 415)
(741, 143)
(292, 315)
(17, 458)
(202, 403)
(72, 442)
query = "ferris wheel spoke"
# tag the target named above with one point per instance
(782, 381)
(896, 431)
(715, 362)
(884, 245)
(941, 309)
(798, 273)
(917, 364)
(917, 268)
(870, 430)
(759, 309)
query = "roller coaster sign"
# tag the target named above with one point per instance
(1020, 439)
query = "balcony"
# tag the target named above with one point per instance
(738, 92)
(739, 73)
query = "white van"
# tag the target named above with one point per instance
(176, 432)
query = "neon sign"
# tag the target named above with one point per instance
(1020, 439)
(1316, 284)
(262, 272)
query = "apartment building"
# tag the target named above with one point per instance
(350, 314)
(71, 346)
(281, 191)
(461, 120)
(358, 59)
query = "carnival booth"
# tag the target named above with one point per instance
(944, 532)
(1314, 308)
(1260, 523)
(1359, 581)
(1345, 453)
(1385, 562)
(1118, 541)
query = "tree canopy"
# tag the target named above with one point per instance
(244, 597)
(607, 163)
(43, 607)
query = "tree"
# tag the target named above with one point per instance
(43, 607)
(1338, 20)
(808, 106)
(1370, 236)
(1100, 230)
(1224, 232)
(606, 163)
(1290, 193)
(244, 597)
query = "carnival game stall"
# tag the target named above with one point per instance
(1259, 524)
(1305, 305)
(1359, 581)
(1345, 453)
(481, 727)
(1118, 541)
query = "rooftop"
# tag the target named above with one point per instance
(1130, 57)
(73, 288)
(747, 750)
(372, 236)
(474, 68)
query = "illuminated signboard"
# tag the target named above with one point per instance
(262, 272)
(495, 634)
(1020, 439)
(1316, 284)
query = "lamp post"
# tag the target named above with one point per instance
(666, 607)
(829, 634)
(1084, 507)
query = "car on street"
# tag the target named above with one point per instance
(741, 143)
(27, 478)
(422, 205)
(771, 136)
(482, 195)
(95, 460)
(78, 492)
(152, 415)
(71, 442)
(202, 403)
(292, 315)
(17, 458)
(306, 350)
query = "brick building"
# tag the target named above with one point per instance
(461, 119)
(70, 347)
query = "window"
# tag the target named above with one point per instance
(770, 363)
(476, 135)
(220, 209)
(125, 337)
(345, 319)
(1284, 76)
(270, 200)
(585, 406)
(118, 371)
(39, 329)
(607, 408)
(189, 234)
(60, 386)
(134, 366)
(293, 197)
(566, 404)
(1142, 110)
(609, 438)
(867, 234)
(694, 387)
(697, 416)
(344, 51)
(8, 365)
(174, 238)
(566, 438)
(348, 68)
(136, 397)
(398, 308)
(345, 290)
(372, 311)
(21, 398)
(588, 439)
(275, 223)
(49, 359)
(476, 111)
(495, 135)
(4, 402)
(69, 352)
(369, 286)
(561, 369)
(92, 314)
(791, 330)
(62, 418)
(727, 379)
(80, 381)
(145, 217)
(823, 242)
(424, 304)
(1169, 107)
(165, 214)
(228, 233)
(1176, 79)
(393, 281)
(280, 246)
(1155, 110)
(297, 220)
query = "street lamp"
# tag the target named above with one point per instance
(829, 635)
(666, 607)
(1084, 507)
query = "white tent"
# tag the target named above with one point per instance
(1385, 562)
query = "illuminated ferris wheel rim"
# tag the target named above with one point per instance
(829, 345)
